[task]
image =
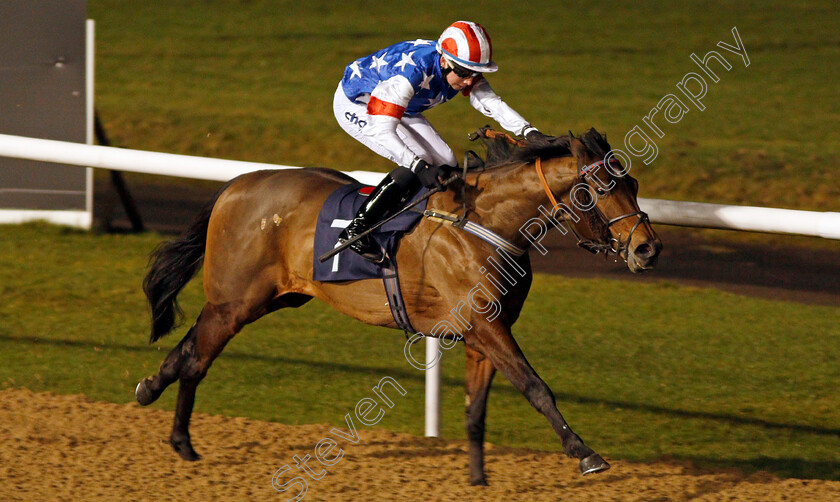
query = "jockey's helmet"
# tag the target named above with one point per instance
(467, 44)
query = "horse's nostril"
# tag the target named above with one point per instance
(644, 251)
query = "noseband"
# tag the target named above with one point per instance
(613, 245)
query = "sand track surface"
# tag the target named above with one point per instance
(71, 448)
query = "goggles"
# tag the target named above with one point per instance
(462, 72)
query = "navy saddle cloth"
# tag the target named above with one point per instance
(338, 211)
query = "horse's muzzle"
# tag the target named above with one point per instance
(644, 256)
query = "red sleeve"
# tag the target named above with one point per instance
(378, 107)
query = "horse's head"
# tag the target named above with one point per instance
(605, 213)
(586, 186)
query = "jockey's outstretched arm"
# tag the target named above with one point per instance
(484, 99)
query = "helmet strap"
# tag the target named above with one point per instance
(445, 70)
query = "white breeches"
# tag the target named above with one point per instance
(417, 133)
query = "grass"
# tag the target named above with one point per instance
(641, 371)
(254, 80)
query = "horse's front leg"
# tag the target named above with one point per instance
(479, 375)
(496, 342)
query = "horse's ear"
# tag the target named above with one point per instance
(577, 147)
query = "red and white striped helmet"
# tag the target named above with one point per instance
(468, 45)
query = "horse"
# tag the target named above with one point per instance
(252, 269)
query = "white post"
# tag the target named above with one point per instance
(89, 112)
(432, 387)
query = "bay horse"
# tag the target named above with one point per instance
(251, 269)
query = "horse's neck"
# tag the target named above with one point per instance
(508, 198)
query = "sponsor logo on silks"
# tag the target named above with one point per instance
(355, 119)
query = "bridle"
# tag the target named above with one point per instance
(610, 245)
(613, 244)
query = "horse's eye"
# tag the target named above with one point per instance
(600, 191)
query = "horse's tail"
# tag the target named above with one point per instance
(171, 266)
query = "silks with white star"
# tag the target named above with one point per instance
(403, 78)
(406, 79)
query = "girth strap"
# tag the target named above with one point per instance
(393, 293)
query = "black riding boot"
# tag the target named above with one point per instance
(381, 203)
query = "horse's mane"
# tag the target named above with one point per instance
(594, 141)
(502, 152)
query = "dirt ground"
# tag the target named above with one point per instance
(71, 448)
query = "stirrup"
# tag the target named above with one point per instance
(375, 257)
(366, 247)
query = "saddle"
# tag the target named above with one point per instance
(343, 204)
(336, 213)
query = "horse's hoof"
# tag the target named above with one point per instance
(593, 463)
(185, 450)
(479, 482)
(143, 394)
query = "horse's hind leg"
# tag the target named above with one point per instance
(149, 389)
(498, 344)
(191, 359)
(479, 375)
(189, 362)
(215, 327)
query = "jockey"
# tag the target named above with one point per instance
(381, 100)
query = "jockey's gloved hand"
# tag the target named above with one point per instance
(429, 175)
(534, 136)
(448, 170)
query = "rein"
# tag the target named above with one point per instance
(544, 183)
(613, 245)
(587, 244)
